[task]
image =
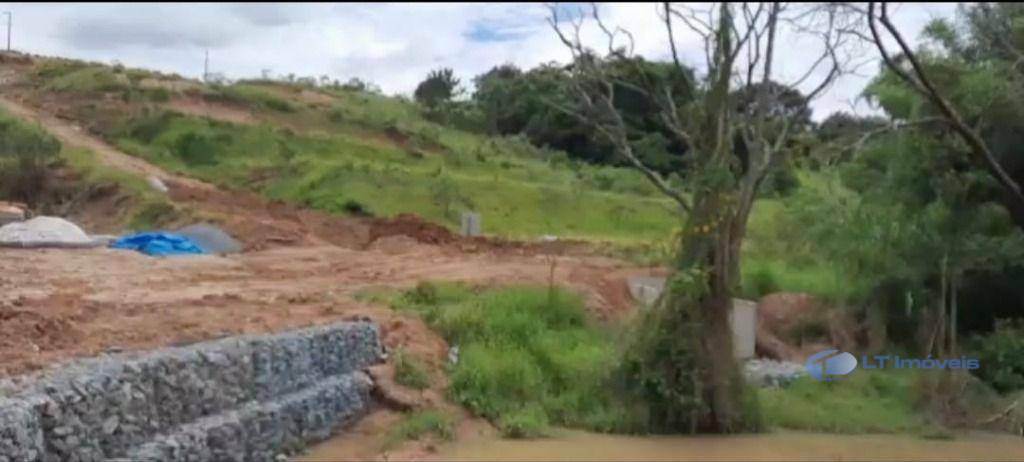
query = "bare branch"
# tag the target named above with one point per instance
(894, 126)
(671, 38)
(595, 91)
(977, 145)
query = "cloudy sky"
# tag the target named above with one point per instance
(392, 45)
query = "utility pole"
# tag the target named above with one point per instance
(206, 66)
(9, 16)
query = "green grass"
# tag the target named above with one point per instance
(528, 359)
(251, 95)
(778, 257)
(865, 402)
(519, 194)
(763, 275)
(410, 371)
(88, 79)
(418, 424)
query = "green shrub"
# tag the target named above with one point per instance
(418, 424)
(159, 95)
(1001, 354)
(760, 282)
(410, 371)
(336, 115)
(425, 293)
(147, 127)
(354, 207)
(196, 149)
(780, 182)
(528, 422)
(26, 152)
(89, 79)
(54, 68)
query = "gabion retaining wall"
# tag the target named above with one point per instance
(249, 398)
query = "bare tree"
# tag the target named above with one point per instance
(740, 43)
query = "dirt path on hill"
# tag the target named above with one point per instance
(73, 135)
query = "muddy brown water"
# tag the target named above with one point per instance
(778, 446)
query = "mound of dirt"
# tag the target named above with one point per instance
(411, 225)
(792, 326)
(259, 223)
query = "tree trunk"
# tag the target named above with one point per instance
(711, 250)
(953, 283)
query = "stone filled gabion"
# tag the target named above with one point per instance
(248, 398)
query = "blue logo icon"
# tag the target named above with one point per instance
(829, 365)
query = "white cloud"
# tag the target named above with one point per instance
(393, 45)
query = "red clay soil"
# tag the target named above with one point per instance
(260, 223)
(59, 304)
(408, 224)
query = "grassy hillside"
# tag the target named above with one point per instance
(356, 152)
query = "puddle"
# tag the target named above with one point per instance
(779, 446)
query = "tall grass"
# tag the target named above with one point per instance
(865, 402)
(419, 424)
(528, 359)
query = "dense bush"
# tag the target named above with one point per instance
(25, 154)
(1001, 354)
(440, 86)
(196, 149)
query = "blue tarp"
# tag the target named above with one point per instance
(158, 244)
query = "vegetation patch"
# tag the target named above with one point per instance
(26, 154)
(864, 402)
(251, 95)
(1002, 355)
(410, 371)
(528, 358)
(419, 424)
(348, 173)
(89, 79)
